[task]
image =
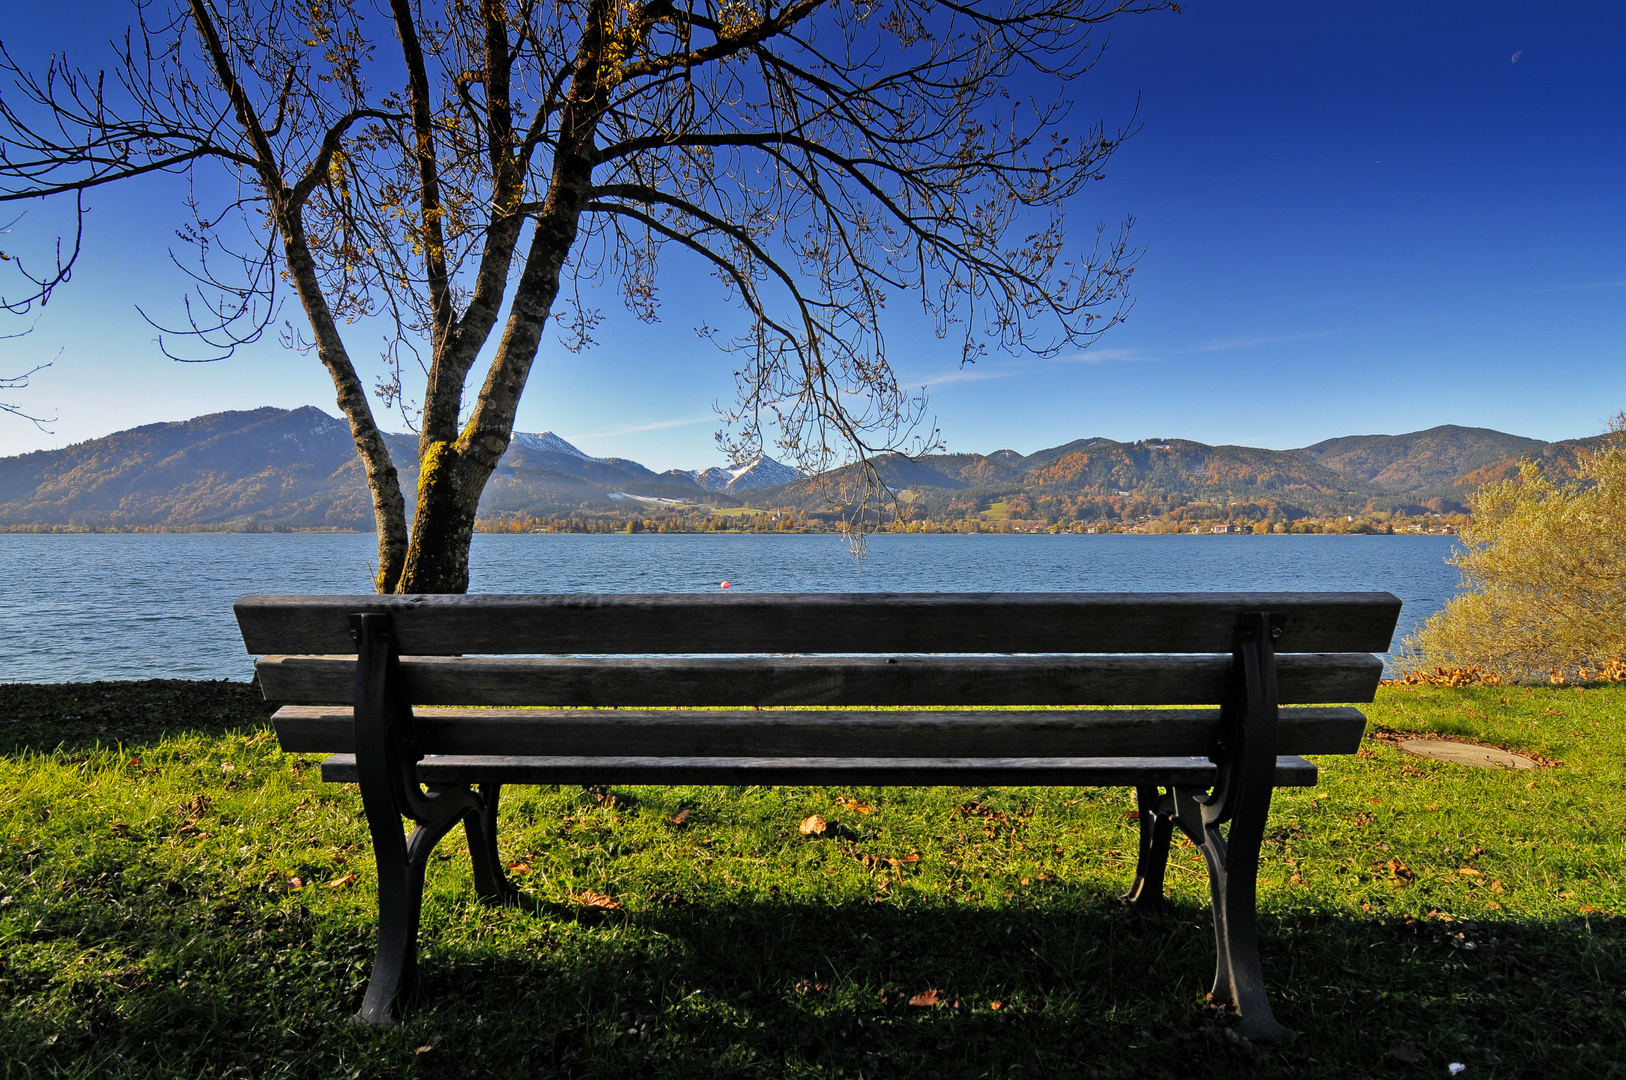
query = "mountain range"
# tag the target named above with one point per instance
(276, 468)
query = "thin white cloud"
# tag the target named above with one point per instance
(1225, 344)
(1106, 356)
(1007, 369)
(658, 425)
(962, 375)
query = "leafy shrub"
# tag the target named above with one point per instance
(1544, 564)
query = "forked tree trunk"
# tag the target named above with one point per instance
(452, 475)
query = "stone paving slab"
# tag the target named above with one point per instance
(1471, 754)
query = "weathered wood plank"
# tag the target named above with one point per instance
(1304, 679)
(821, 622)
(1099, 733)
(911, 772)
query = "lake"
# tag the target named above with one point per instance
(140, 606)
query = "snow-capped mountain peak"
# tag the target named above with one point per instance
(551, 443)
(760, 472)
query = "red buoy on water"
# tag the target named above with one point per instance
(725, 585)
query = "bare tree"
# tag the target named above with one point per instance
(447, 170)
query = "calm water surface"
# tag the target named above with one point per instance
(77, 607)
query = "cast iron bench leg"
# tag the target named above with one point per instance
(1233, 873)
(1247, 758)
(386, 764)
(400, 900)
(1156, 829)
(490, 883)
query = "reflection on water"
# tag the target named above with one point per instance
(78, 607)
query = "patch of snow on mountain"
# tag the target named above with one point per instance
(622, 496)
(551, 443)
(712, 479)
(760, 472)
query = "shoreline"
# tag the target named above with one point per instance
(62, 530)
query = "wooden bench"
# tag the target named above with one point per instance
(364, 676)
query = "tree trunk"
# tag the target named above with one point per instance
(453, 475)
(443, 527)
(383, 482)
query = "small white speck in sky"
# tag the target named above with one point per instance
(1517, 55)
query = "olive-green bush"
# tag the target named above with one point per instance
(1544, 565)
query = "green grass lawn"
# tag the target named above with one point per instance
(1413, 915)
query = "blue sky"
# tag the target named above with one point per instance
(1356, 218)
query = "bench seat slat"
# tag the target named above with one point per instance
(1303, 679)
(812, 771)
(721, 733)
(820, 622)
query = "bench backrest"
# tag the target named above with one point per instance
(831, 649)
(436, 625)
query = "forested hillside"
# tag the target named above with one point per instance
(278, 469)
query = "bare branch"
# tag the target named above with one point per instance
(20, 382)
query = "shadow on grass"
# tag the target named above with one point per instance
(150, 955)
(78, 716)
(1066, 984)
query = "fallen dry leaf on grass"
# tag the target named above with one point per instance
(339, 883)
(519, 867)
(853, 806)
(680, 817)
(590, 899)
(295, 883)
(925, 998)
(813, 825)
